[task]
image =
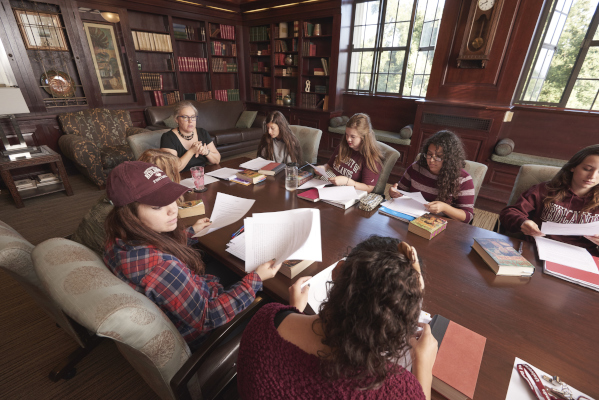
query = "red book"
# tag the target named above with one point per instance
(574, 275)
(458, 360)
(272, 169)
(310, 195)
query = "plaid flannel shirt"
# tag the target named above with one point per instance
(194, 303)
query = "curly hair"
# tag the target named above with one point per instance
(371, 312)
(361, 123)
(562, 181)
(291, 142)
(448, 181)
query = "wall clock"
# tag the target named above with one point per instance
(479, 33)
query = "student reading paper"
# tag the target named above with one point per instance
(571, 197)
(278, 143)
(352, 348)
(148, 248)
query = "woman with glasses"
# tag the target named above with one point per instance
(440, 177)
(192, 145)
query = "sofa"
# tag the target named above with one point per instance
(219, 119)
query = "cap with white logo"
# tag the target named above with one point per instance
(142, 182)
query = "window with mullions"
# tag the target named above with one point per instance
(563, 71)
(393, 43)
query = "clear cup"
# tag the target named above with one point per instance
(197, 174)
(291, 177)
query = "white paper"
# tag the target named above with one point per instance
(323, 171)
(518, 389)
(189, 181)
(337, 193)
(284, 235)
(318, 287)
(314, 183)
(255, 164)
(552, 228)
(565, 254)
(405, 206)
(412, 195)
(227, 210)
(223, 173)
(237, 246)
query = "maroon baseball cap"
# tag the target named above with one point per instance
(142, 182)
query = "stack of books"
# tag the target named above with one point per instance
(191, 208)
(248, 177)
(151, 81)
(25, 184)
(147, 41)
(47, 179)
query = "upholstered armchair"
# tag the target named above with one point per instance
(96, 140)
(309, 139)
(390, 156)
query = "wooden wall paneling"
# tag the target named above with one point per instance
(499, 182)
(386, 113)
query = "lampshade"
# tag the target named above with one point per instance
(12, 101)
(110, 17)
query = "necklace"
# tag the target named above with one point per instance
(185, 137)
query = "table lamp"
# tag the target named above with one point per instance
(11, 103)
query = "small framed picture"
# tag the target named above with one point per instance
(41, 30)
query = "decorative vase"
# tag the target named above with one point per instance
(288, 59)
(287, 100)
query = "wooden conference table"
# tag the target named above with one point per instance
(548, 322)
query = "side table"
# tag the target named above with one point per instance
(45, 156)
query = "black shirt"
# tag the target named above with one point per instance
(170, 140)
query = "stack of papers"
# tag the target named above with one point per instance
(227, 210)
(314, 183)
(412, 206)
(565, 254)
(552, 228)
(284, 235)
(224, 173)
(255, 164)
(237, 246)
(337, 193)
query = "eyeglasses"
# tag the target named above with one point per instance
(187, 117)
(434, 158)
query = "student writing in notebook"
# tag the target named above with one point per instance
(357, 160)
(440, 176)
(350, 349)
(571, 197)
(278, 143)
(148, 248)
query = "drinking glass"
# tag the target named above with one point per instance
(198, 179)
(291, 177)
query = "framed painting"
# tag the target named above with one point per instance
(41, 30)
(106, 57)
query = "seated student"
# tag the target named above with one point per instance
(350, 349)
(278, 143)
(192, 145)
(148, 248)
(571, 197)
(440, 177)
(357, 160)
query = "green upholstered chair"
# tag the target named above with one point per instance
(390, 156)
(477, 171)
(528, 176)
(143, 141)
(309, 139)
(95, 140)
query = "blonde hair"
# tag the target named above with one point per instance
(368, 148)
(166, 161)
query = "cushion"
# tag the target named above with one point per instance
(90, 231)
(111, 156)
(15, 254)
(246, 119)
(336, 121)
(504, 147)
(406, 132)
(520, 159)
(170, 122)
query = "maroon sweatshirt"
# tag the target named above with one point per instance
(568, 211)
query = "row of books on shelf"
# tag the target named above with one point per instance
(309, 29)
(281, 45)
(39, 181)
(261, 80)
(315, 101)
(151, 81)
(192, 64)
(198, 96)
(260, 96)
(320, 89)
(260, 67)
(185, 32)
(256, 51)
(259, 33)
(325, 65)
(222, 31)
(309, 49)
(148, 41)
(227, 95)
(280, 59)
(220, 65)
(165, 99)
(223, 49)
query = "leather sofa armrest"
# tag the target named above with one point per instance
(259, 121)
(86, 156)
(133, 130)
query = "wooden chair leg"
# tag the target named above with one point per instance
(66, 369)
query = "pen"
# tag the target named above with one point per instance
(520, 248)
(239, 231)
(305, 165)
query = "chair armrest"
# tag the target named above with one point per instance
(259, 121)
(133, 130)
(86, 156)
(193, 364)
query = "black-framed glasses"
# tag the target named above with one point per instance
(187, 117)
(433, 157)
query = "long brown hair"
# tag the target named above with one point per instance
(448, 180)
(368, 148)
(371, 312)
(561, 183)
(123, 223)
(291, 142)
